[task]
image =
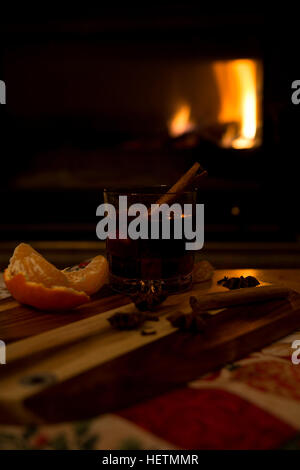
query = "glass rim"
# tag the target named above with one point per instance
(159, 189)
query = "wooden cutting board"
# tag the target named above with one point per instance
(94, 369)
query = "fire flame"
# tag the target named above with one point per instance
(237, 85)
(181, 121)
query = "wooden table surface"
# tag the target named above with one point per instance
(17, 322)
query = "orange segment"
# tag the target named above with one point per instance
(34, 281)
(39, 296)
(91, 278)
(36, 268)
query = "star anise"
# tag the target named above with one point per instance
(238, 282)
(193, 322)
(149, 296)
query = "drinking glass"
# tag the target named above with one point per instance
(163, 260)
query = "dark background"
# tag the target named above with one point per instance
(62, 141)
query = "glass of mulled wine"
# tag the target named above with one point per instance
(145, 243)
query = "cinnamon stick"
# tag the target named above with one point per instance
(183, 183)
(239, 297)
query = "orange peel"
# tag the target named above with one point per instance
(41, 297)
(32, 280)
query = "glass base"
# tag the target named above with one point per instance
(173, 285)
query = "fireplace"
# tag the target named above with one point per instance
(115, 97)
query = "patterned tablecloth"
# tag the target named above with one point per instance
(251, 404)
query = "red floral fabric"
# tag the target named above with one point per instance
(209, 419)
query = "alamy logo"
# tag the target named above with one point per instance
(296, 354)
(2, 352)
(296, 94)
(2, 92)
(159, 216)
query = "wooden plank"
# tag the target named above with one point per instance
(97, 336)
(167, 363)
(90, 326)
(19, 321)
(114, 369)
